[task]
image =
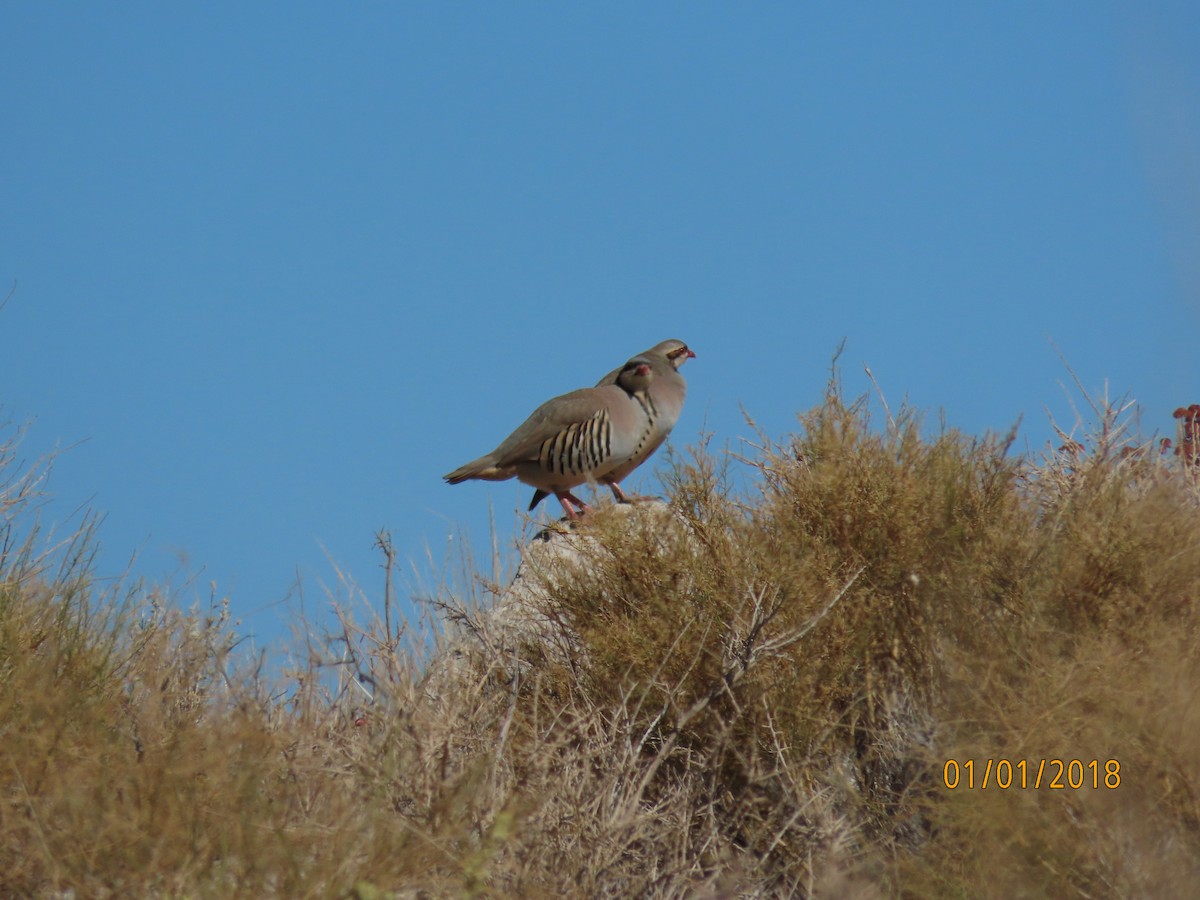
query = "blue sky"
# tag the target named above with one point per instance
(280, 266)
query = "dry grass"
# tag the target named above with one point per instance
(749, 696)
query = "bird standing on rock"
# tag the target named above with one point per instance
(598, 434)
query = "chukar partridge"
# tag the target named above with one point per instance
(663, 402)
(578, 437)
(570, 439)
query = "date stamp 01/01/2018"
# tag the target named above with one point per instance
(1035, 774)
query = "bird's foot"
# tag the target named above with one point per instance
(639, 498)
(572, 505)
(623, 497)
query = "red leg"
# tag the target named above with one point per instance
(623, 497)
(566, 496)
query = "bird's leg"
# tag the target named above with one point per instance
(566, 496)
(623, 497)
(619, 494)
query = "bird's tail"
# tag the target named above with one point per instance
(482, 468)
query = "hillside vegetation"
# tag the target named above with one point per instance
(761, 692)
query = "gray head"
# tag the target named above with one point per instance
(635, 376)
(675, 352)
(664, 359)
